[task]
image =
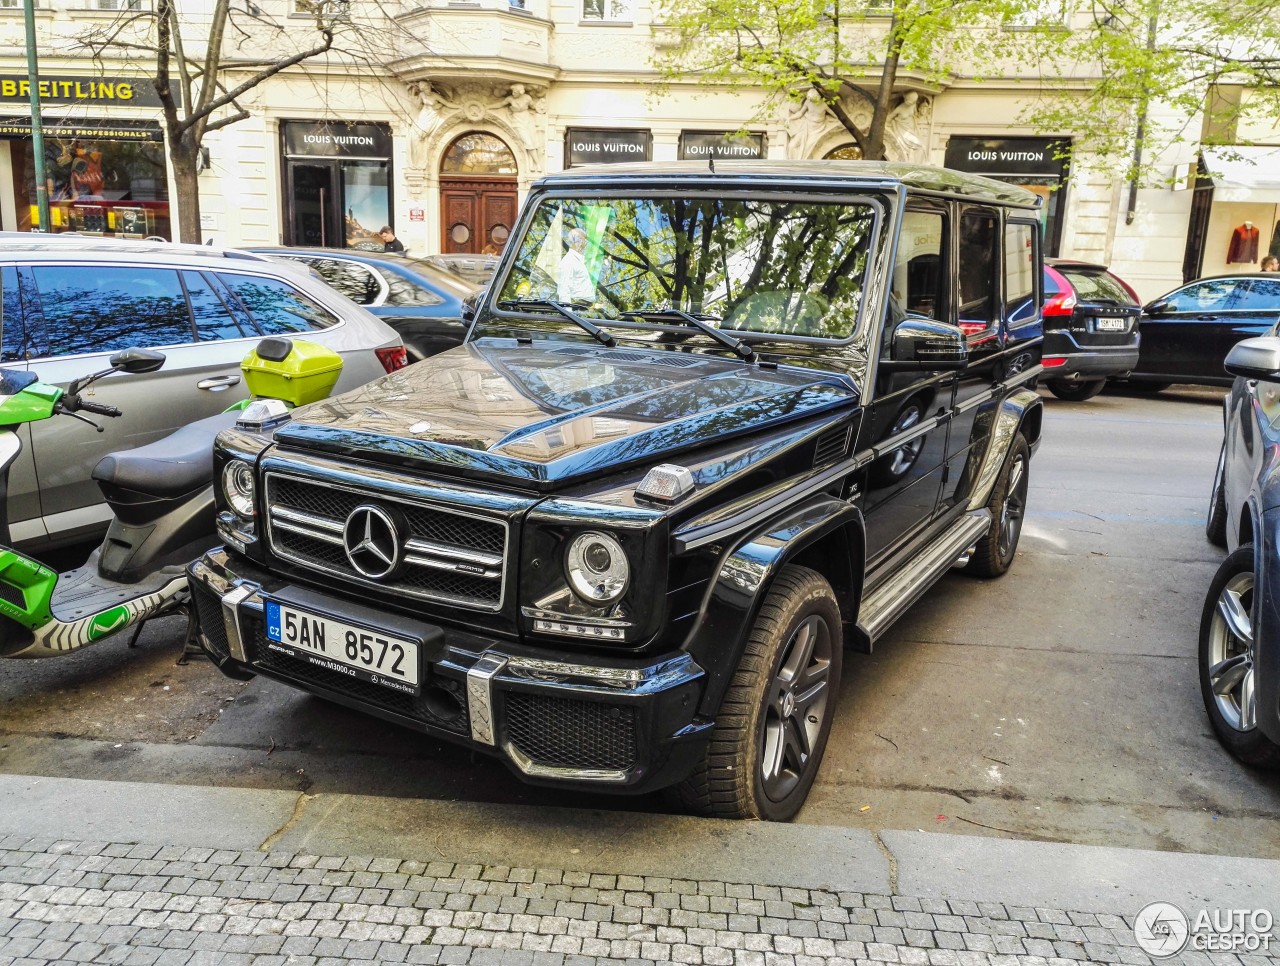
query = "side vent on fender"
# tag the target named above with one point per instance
(832, 446)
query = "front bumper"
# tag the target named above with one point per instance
(554, 717)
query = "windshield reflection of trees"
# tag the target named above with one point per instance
(781, 267)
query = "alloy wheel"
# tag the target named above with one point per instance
(1230, 655)
(797, 705)
(1014, 507)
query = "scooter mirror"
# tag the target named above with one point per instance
(137, 361)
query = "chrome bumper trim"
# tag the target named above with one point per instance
(231, 602)
(480, 695)
(532, 768)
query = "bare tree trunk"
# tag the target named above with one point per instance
(874, 148)
(183, 152)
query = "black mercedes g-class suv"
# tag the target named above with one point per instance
(709, 427)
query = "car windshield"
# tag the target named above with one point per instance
(781, 266)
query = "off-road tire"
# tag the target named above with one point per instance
(995, 552)
(1247, 744)
(1076, 390)
(729, 783)
(1215, 524)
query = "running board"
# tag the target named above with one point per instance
(884, 605)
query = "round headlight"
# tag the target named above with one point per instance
(237, 487)
(597, 568)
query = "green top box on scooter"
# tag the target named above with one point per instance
(304, 375)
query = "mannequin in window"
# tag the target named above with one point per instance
(1244, 244)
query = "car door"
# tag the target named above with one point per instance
(86, 312)
(905, 425)
(1182, 331)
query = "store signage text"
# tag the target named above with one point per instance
(336, 139)
(698, 145)
(88, 90)
(1039, 157)
(603, 146)
(20, 127)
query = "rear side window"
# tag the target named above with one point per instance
(354, 281)
(979, 236)
(277, 308)
(1019, 273)
(13, 343)
(104, 308)
(214, 320)
(1263, 294)
(404, 291)
(1096, 286)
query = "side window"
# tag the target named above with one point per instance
(277, 308)
(13, 342)
(1217, 294)
(979, 298)
(103, 308)
(404, 292)
(214, 320)
(1019, 273)
(354, 281)
(1263, 295)
(917, 274)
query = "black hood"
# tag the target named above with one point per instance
(544, 413)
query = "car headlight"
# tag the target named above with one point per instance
(237, 487)
(597, 567)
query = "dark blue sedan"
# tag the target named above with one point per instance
(421, 301)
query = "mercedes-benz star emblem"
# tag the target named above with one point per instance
(372, 542)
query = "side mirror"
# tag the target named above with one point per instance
(1257, 358)
(926, 344)
(1156, 307)
(137, 361)
(471, 305)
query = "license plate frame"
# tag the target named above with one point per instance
(1111, 325)
(393, 661)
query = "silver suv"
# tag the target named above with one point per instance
(67, 303)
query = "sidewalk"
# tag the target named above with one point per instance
(177, 875)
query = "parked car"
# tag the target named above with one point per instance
(418, 299)
(1239, 653)
(1090, 328)
(67, 303)
(622, 547)
(1187, 333)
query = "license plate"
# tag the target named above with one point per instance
(355, 651)
(1112, 325)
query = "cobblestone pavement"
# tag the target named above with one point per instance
(96, 902)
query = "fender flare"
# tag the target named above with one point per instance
(746, 572)
(1016, 411)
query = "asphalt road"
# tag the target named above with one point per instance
(1057, 703)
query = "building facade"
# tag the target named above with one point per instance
(475, 99)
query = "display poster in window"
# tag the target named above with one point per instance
(607, 146)
(718, 145)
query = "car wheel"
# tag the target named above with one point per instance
(892, 467)
(1228, 658)
(1215, 525)
(772, 727)
(998, 546)
(1148, 386)
(1076, 390)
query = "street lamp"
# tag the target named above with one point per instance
(37, 127)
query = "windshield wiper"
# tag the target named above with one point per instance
(597, 333)
(740, 347)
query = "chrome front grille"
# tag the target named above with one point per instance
(449, 555)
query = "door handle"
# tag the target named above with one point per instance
(218, 383)
(1206, 318)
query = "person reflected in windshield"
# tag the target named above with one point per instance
(573, 284)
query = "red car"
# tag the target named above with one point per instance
(1090, 328)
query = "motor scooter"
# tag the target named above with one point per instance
(160, 494)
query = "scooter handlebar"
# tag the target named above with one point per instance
(74, 404)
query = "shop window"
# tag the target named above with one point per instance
(354, 281)
(108, 308)
(609, 11)
(979, 238)
(845, 152)
(277, 308)
(213, 319)
(478, 153)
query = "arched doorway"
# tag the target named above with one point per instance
(477, 194)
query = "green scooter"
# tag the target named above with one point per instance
(161, 496)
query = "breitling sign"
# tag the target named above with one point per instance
(100, 90)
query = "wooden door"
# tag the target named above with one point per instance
(476, 216)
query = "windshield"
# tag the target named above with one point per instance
(781, 267)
